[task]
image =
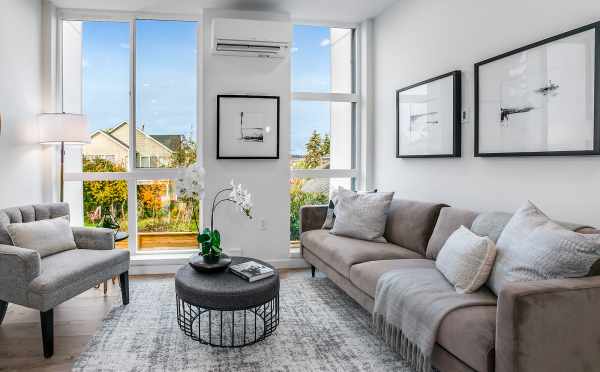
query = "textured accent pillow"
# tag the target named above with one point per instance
(330, 218)
(532, 247)
(46, 236)
(361, 216)
(466, 260)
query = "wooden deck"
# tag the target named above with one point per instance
(163, 241)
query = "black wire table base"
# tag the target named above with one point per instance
(228, 328)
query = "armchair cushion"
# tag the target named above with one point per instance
(94, 238)
(69, 273)
(47, 236)
(18, 267)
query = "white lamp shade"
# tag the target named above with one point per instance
(68, 128)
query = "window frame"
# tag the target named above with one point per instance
(353, 98)
(134, 174)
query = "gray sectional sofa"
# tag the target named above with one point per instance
(550, 325)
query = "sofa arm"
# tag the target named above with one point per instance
(18, 267)
(549, 325)
(312, 217)
(94, 238)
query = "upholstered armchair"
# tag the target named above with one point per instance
(42, 283)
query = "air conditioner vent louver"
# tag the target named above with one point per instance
(250, 38)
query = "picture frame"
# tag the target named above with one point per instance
(428, 117)
(248, 126)
(542, 99)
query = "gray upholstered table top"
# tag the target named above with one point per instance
(225, 290)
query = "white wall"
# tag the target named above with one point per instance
(419, 39)
(20, 101)
(267, 180)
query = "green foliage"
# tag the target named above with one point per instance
(185, 155)
(211, 242)
(326, 145)
(313, 157)
(110, 196)
(299, 198)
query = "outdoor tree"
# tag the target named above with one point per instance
(313, 156)
(326, 146)
(110, 196)
(185, 155)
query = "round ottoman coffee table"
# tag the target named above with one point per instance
(224, 310)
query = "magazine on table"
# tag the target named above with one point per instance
(251, 271)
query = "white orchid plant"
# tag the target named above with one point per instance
(191, 185)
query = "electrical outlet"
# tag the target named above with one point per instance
(262, 225)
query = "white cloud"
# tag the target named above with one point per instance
(325, 42)
(294, 50)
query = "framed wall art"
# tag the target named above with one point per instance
(247, 127)
(428, 118)
(541, 99)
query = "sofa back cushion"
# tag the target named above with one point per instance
(410, 223)
(29, 213)
(448, 222)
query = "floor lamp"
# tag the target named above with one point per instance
(63, 129)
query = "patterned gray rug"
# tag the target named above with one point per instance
(321, 329)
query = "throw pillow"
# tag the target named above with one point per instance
(466, 260)
(46, 236)
(330, 218)
(532, 247)
(361, 216)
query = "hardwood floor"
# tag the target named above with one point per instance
(75, 321)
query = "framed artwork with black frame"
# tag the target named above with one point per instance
(247, 127)
(541, 99)
(428, 118)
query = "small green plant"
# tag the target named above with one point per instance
(211, 242)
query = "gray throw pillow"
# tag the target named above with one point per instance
(46, 236)
(330, 218)
(361, 216)
(532, 247)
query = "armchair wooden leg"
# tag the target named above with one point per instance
(47, 320)
(312, 270)
(3, 307)
(124, 283)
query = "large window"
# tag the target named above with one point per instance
(324, 116)
(144, 72)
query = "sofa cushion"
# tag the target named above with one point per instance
(469, 334)
(490, 224)
(365, 275)
(449, 221)
(341, 252)
(62, 269)
(410, 223)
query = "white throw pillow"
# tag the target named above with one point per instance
(533, 247)
(466, 260)
(361, 216)
(46, 236)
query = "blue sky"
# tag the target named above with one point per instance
(166, 77)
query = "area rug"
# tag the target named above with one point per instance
(321, 329)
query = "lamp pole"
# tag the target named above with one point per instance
(62, 171)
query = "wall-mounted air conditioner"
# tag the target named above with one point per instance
(251, 38)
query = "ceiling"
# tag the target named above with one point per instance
(343, 11)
